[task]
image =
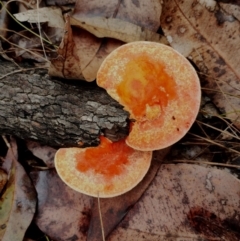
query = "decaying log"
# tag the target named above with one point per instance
(33, 105)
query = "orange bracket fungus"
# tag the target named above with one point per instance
(158, 87)
(108, 170)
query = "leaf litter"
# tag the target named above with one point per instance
(18, 200)
(117, 23)
(209, 37)
(185, 202)
(175, 206)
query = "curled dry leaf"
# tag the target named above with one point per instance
(107, 46)
(210, 38)
(18, 202)
(185, 202)
(63, 214)
(89, 50)
(66, 65)
(87, 46)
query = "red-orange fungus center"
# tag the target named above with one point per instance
(107, 159)
(146, 88)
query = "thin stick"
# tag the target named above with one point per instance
(100, 216)
(207, 163)
(29, 51)
(40, 32)
(215, 143)
(6, 141)
(21, 70)
(217, 129)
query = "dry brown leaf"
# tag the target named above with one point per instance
(87, 46)
(208, 36)
(129, 24)
(4, 19)
(132, 18)
(63, 214)
(45, 153)
(115, 28)
(114, 209)
(106, 47)
(51, 15)
(136, 11)
(18, 202)
(66, 65)
(187, 203)
(232, 9)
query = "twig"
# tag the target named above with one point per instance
(20, 70)
(100, 216)
(207, 163)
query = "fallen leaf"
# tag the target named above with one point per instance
(116, 28)
(66, 64)
(136, 12)
(4, 19)
(106, 47)
(232, 10)
(43, 152)
(18, 202)
(208, 36)
(63, 214)
(87, 46)
(51, 15)
(120, 22)
(187, 203)
(3, 179)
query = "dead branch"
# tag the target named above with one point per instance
(33, 105)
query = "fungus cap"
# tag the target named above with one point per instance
(158, 87)
(108, 170)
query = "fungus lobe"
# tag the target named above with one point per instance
(108, 170)
(158, 87)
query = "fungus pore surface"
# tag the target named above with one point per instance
(158, 87)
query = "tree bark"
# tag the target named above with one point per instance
(56, 112)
